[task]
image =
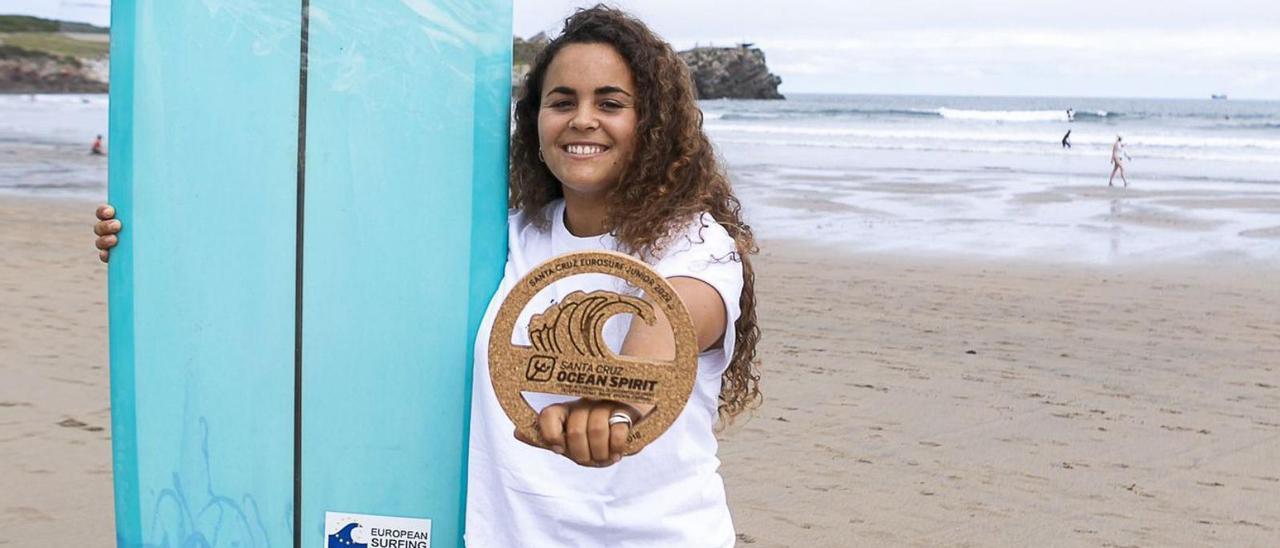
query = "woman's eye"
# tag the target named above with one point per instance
(611, 105)
(561, 104)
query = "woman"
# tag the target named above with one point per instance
(1117, 163)
(608, 153)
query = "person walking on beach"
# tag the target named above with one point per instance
(96, 149)
(1117, 150)
(608, 153)
(1066, 143)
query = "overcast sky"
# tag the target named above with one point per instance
(1108, 48)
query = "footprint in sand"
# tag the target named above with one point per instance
(73, 423)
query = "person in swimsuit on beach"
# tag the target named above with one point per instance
(1066, 143)
(1117, 162)
(608, 153)
(96, 149)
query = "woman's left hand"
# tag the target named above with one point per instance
(580, 431)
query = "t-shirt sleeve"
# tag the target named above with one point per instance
(706, 251)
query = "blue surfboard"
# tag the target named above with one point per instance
(314, 196)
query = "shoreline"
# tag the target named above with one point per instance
(1120, 404)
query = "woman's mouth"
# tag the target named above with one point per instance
(583, 151)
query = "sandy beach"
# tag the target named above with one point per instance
(55, 420)
(944, 402)
(910, 400)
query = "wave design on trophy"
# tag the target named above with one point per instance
(576, 324)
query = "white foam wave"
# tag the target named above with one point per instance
(1004, 115)
(53, 118)
(1013, 137)
(97, 99)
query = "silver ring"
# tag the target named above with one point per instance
(620, 417)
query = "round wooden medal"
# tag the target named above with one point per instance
(568, 355)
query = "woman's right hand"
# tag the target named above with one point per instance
(106, 229)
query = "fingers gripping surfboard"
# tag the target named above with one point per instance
(314, 196)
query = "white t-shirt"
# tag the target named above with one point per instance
(670, 493)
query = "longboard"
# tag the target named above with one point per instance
(314, 201)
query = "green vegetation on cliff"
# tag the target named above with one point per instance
(26, 23)
(57, 43)
(22, 36)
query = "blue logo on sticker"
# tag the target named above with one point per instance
(342, 539)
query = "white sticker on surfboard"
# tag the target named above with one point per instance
(344, 530)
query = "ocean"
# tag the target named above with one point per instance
(1186, 137)
(45, 142)
(989, 177)
(980, 176)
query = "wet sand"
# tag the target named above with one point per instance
(977, 205)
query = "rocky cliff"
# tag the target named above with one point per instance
(735, 73)
(48, 56)
(29, 71)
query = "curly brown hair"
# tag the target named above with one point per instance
(672, 176)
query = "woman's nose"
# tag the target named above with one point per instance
(584, 118)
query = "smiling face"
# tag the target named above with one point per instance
(587, 118)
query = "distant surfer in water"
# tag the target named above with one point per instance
(96, 149)
(1117, 162)
(1066, 140)
(608, 153)
(1071, 115)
